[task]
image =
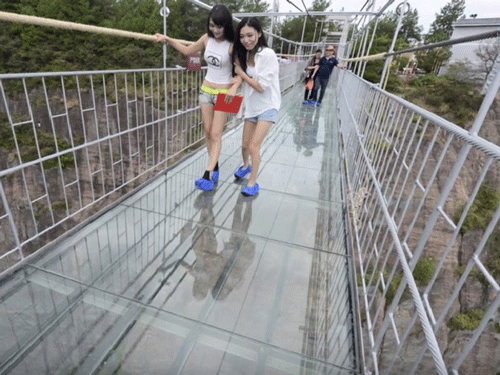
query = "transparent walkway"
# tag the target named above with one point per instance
(177, 281)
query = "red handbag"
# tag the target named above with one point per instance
(310, 84)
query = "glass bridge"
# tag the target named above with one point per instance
(172, 280)
(368, 248)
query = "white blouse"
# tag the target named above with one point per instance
(266, 72)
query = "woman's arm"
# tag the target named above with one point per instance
(245, 77)
(181, 46)
(241, 75)
(235, 83)
(231, 93)
(316, 68)
(267, 68)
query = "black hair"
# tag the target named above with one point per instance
(319, 50)
(239, 50)
(221, 16)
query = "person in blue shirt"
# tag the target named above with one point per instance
(326, 65)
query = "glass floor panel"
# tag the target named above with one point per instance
(173, 280)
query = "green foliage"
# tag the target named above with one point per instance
(426, 80)
(59, 206)
(481, 210)
(291, 28)
(460, 270)
(430, 61)
(424, 270)
(27, 48)
(393, 287)
(373, 71)
(460, 72)
(36, 48)
(440, 94)
(27, 143)
(382, 41)
(493, 254)
(466, 321)
(359, 280)
(442, 27)
(410, 29)
(422, 274)
(394, 83)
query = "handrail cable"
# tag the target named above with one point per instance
(487, 35)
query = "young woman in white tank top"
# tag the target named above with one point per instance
(218, 46)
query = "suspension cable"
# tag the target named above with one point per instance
(472, 38)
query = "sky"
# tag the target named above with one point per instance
(427, 9)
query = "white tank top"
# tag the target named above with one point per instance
(219, 62)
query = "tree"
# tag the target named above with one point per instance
(37, 48)
(408, 34)
(254, 6)
(10, 38)
(488, 53)
(410, 29)
(291, 28)
(27, 48)
(441, 29)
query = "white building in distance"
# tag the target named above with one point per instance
(479, 55)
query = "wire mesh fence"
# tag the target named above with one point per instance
(74, 142)
(425, 208)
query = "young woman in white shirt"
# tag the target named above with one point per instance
(218, 46)
(257, 65)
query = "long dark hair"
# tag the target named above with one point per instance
(239, 50)
(221, 16)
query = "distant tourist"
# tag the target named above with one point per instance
(326, 65)
(258, 67)
(218, 46)
(311, 70)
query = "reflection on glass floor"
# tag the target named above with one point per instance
(178, 281)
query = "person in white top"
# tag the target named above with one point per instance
(257, 65)
(218, 45)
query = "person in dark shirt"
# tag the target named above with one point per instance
(311, 70)
(326, 65)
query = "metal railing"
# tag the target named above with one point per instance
(424, 205)
(74, 142)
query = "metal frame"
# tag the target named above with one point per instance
(151, 118)
(395, 154)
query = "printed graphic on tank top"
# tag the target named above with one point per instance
(214, 60)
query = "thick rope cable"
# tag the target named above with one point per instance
(33, 20)
(294, 56)
(378, 56)
(40, 21)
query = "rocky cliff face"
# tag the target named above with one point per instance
(127, 147)
(476, 294)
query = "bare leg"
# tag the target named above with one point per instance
(248, 130)
(207, 113)
(259, 133)
(218, 122)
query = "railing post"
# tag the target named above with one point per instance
(164, 13)
(302, 37)
(11, 221)
(391, 49)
